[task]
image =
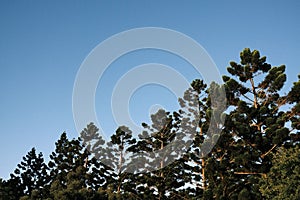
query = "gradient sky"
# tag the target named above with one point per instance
(43, 43)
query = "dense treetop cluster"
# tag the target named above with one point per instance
(245, 148)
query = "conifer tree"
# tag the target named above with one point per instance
(68, 158)
(11, 189)
(202, 114)
(32, 173)
(293, 98)
(254, 127)
(161, 171)
(118, 158)
(283, 180)
(195, 119)
(197, 152)
(100, 172)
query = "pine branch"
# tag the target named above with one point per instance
(248, 98)
(265, 154)
(257, 125)
(251, 173)
(254, 92)
(203, 173)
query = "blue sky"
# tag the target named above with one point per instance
(43, 43)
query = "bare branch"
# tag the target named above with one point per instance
(265, 154)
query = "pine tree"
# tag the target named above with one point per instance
(69, 158)
(100, 172)
(11, 189)
(118, 158)
(283, 180)
(195, 120)
(197, 152)
(254, 127)
(202, 111)
(160, 171)
(32, 173)
(293, 98)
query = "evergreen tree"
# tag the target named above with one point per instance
(69, 158)
(118, 158)
(193, 153)
(195, 119)
(32, 173)
(161, 145)
(293, 98)
(283, 180)
(11, 189)
(100, 172)
(202, 111)
(254, 127)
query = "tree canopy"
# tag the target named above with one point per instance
(243, 147)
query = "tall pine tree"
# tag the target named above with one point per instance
(32, 173)
(254, 127)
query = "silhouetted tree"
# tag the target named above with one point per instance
(244, 146)
(32, 173)
(69, 158)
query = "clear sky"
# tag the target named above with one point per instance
(43, 43)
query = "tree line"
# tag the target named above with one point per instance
(245, 146)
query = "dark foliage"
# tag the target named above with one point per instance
(211, 148)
